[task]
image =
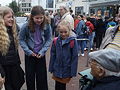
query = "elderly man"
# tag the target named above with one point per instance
(105, 67)
(65, 15)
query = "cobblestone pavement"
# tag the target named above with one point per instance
(74, 83)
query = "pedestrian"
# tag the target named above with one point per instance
(35, 39)
(111, 22)
(90, 29)
(105, 68)
(65, 15)
(64, 56)
(100, 31)
(81, 34)
(9, 56)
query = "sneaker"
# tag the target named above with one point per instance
(82, 54)
(91, 49)
(97, 48)
(85, 48)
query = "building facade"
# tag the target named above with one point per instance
(25, 6)
(91, 6)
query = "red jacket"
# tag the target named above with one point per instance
(90, 25)
(76, 23)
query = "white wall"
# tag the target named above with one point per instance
(40, 2)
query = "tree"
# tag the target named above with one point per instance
(13, 5)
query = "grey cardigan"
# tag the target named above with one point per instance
(109, 36)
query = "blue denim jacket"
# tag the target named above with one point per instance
(26, 39)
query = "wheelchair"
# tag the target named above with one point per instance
(86, 79)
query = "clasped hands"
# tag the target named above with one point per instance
(36, 55)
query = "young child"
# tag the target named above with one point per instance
(64, 56)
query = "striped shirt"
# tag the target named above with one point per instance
(115, 44)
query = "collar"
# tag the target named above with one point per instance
(68, 13)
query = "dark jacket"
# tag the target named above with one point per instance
(106, 83)
(100, 26)
(64, 59)
(12, 56)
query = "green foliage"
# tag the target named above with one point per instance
(14, 6)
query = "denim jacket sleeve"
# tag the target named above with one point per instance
(22, 39)
(48, 39)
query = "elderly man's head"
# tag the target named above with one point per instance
(63, 9)
(105, 62)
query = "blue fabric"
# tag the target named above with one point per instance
(82, 43)
(91, 39)
(26, 39)
(79, 29)
(64, 60)
(111, 24)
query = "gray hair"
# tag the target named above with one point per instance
(65, 7)
(110, 73)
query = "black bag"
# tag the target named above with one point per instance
(85, 83)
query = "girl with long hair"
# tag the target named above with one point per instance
(35, 39)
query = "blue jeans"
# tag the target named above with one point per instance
(81, 43)
(91, 39)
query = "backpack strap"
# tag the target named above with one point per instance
(55, 40)
(71, 43)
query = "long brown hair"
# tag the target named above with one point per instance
(36, 10)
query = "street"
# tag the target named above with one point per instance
(73, 84)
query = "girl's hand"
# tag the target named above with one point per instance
(2, 81)
(33, 54)
(39, 56)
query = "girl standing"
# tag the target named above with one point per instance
(35, 39)
(9, 57)
(64, 56)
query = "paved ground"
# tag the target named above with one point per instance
(74, 83)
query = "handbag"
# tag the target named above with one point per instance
(61, 80)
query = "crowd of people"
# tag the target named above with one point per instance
(35, 38)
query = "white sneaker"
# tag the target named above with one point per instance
(85, 48)
(82, 54)
(91, 49)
